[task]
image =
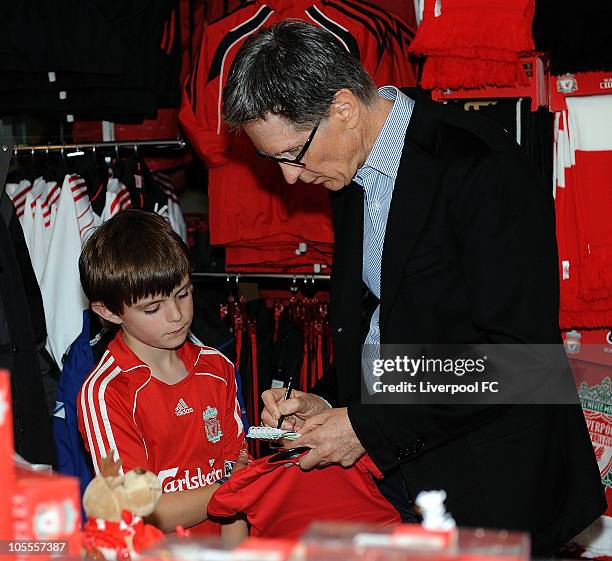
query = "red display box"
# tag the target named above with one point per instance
(46, 507)
(7, 474)
(40, 512)
(411, 542)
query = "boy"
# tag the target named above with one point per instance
(155, 400)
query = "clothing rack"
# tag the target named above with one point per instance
(176, 144)
(262, 276)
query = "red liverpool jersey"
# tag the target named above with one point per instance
(188, 433)
(281, 500)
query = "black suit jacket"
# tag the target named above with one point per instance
(469, 257)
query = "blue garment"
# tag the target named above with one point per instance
(72, 457)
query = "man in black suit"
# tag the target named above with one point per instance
(444, 235)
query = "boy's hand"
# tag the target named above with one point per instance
(241, 462)
(108, 466)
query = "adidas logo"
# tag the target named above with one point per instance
(182, 408)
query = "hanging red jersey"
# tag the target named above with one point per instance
(583, 199)
(281, 500)
(249, 199)
(188, 433)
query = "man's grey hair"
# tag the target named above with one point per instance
(292, 69)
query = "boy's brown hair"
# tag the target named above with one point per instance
(133, 255)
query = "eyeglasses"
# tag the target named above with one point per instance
(298, 159)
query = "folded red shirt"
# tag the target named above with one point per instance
(281, 500)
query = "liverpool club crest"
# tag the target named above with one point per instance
(212, 425)
(597, 408)
(567, 83)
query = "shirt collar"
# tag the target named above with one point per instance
(127, 360)
(386, 153)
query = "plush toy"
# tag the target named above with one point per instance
(115, 506)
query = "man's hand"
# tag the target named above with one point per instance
(297, 409)
(332, 439)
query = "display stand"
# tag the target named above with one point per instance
(536, 89)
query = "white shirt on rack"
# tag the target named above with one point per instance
(62, 295)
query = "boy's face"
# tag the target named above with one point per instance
(156, 321)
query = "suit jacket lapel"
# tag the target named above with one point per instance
(413, 194)
(348, 255)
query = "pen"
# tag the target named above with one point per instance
(287, 395)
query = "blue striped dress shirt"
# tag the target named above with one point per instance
(377, 178)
